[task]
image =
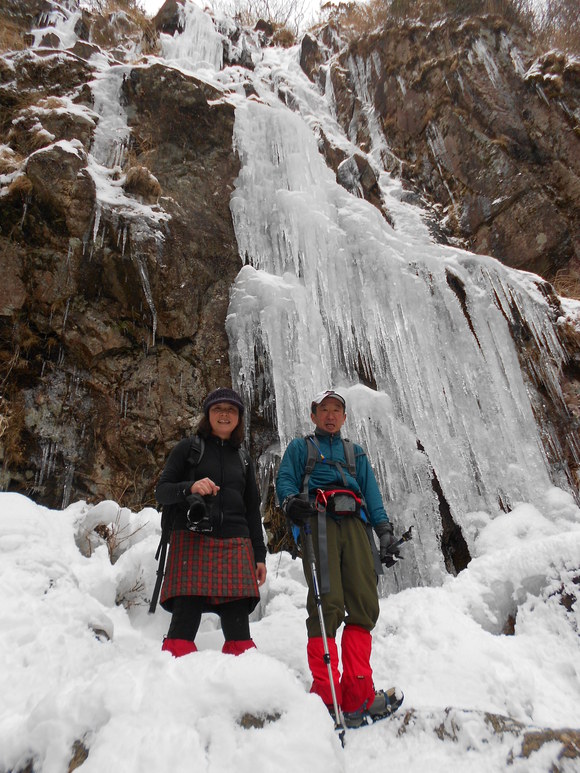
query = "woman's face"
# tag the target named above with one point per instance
(223, 419)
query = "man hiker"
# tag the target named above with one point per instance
(328, 482)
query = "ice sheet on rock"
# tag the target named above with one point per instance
(112, 133)
(199, 46)
(136, 224)
(59, 21)
(362, 72)
(485, 56)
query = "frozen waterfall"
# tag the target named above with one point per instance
(334, 296)
(415, 334)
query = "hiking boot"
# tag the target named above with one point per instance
(385, 703)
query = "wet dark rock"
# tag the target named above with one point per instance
(248, 720)
(311, 55)
(265, 27)
(84, 50)
(62, 186)
(93, 396)
(169, 18)
(357, 176)
(50, 40)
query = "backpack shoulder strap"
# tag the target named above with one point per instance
(311, 459)
(196, 449)
(350, 456)
(313, 453)
(348, 447)
(244, 459)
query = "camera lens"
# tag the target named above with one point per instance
(198, 518)
(196, 512)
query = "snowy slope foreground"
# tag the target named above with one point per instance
(82, 667)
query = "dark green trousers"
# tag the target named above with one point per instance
(353, 596)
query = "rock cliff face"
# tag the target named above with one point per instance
(117, 260)
(112, 329)
(482, 132)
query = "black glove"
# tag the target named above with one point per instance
(298, 510)
(387, 554)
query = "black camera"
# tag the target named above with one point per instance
(198, 517)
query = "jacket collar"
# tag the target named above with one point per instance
(218, 441)
(322, 433)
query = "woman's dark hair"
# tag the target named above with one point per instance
(236, 438)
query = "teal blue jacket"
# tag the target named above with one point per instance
(290, 477)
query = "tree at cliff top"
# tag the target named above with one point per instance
(552, 24)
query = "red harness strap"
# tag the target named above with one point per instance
(323, 497)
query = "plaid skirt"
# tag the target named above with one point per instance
(219, 570)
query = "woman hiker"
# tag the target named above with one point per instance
(216, 560)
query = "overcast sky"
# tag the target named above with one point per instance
(311, 7)
(151, 6)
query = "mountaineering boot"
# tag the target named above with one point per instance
(385, 703)
(319, 670)
(178, 647)
(235, 647)
(358, 691)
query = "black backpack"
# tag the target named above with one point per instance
(169, 512)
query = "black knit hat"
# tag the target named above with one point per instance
(223, 395)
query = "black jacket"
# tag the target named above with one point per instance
(236, 507)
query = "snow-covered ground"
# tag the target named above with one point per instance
(80, 656)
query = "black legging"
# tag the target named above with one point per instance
(186, 617)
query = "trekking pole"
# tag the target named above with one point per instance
(309, 549)
(160, 556)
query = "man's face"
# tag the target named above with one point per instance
(329, 416)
